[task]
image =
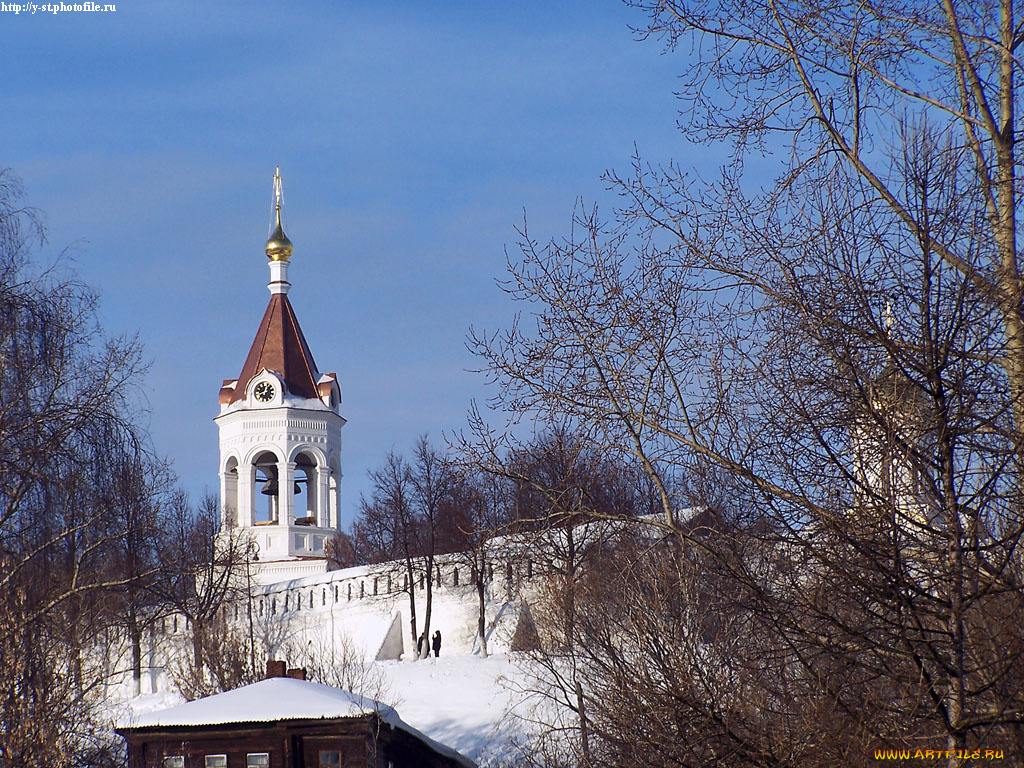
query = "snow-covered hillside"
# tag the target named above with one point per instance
(464, 702)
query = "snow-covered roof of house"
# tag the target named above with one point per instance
(277, 699)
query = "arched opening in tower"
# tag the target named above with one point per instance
(265, 487)
(305, 490)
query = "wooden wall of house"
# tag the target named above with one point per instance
(364, 742)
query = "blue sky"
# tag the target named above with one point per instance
(412, 137)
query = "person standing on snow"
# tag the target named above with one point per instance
(437, 643)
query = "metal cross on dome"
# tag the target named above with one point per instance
(277, 187)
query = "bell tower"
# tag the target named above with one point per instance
(280, 436)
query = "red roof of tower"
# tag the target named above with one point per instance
(279, 346)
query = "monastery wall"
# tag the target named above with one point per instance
(359, 614)
(369, 607)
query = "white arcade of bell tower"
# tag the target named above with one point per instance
(280, 437)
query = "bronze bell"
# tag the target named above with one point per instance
(270, 488)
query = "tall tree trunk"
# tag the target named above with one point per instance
(197, 647)
(412, 606)
(481, 625)
(429, 601)
(135, 635)
(581, 710)
(1005, 222)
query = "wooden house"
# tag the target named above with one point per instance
(282, 722)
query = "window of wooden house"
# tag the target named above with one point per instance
(257, 760)
(174, 761)
(329, 759)
(216, 761)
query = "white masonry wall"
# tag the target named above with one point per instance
(346, 615)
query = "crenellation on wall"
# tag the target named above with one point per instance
(336, 614)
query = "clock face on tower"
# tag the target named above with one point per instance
(264, 391)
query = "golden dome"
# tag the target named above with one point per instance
(279, 247)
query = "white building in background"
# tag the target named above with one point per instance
(280, 476)
(280, 438)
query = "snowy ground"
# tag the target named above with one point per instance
(464, 702)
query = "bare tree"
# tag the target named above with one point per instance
(67, 424)
(432, 482)
(137, 490)
(386, 532)
(410, 518)
(336, 660)
(567, 503)
(202, 576)
(835, 83)
(343, 551)
(845, 347)
(482, 501)
(664, 670)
